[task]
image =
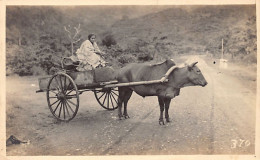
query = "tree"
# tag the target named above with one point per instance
(73, 38)
(13, 34)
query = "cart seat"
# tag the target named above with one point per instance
(70, 63)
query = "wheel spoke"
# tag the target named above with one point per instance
(58, 89)
(104, 99)
(65, 85)
(61, 84)
(69, 107)
(71, 96)
(111, 100)
(114, 93)
(54, 102)
(60, 110)
(69, 86)
(71, 102)
(114, 98)
(53, 91)
(70, 91)
(56, 107)
(101, 95)
(108, 100)
(53, 97)
(57, 83)
(66, 108)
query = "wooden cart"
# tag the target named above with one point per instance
(63, 89)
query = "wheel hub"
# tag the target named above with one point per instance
(61, 96)
(108, 90)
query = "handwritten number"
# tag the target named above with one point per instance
(239, 143)
(247, 143)
(234, 144)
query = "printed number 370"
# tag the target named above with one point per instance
(239, 143)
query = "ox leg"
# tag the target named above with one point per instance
(128, 94)
(161, 103)
(167, 102)
(120, 102)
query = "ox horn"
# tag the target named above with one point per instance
(192, 65)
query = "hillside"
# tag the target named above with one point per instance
(201, 29)
(36, 39)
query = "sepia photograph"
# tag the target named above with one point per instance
(108, 80)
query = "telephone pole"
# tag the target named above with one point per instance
(222, 50)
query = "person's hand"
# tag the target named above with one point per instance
(98, 53)
(102, 53)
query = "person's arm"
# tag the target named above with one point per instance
(97, 50)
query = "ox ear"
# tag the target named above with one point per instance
(170, 62)
(192, 65)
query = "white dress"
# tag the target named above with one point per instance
(86, 54)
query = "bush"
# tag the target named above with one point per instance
(37, 70)
(114, 51)
(250, 58)
(145, 57)
(126, 59)
(109, 40)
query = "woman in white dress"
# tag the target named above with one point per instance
(89, 54)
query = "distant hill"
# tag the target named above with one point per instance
(185, 30)
(33, 21)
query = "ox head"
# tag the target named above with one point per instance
(195, 76)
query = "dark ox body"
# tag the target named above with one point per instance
(180, 77)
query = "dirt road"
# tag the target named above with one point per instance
(216, 119)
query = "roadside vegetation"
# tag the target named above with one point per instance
(36, 38)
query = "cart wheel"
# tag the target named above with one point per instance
(107, 98)
(63, 97)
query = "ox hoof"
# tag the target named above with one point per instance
(168, 120)
(126, 116)
(120, 117)
(161, 122)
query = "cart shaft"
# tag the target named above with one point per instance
(164, 79)
(135, 83)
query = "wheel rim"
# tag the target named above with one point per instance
(107, 98)
(62, 97)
